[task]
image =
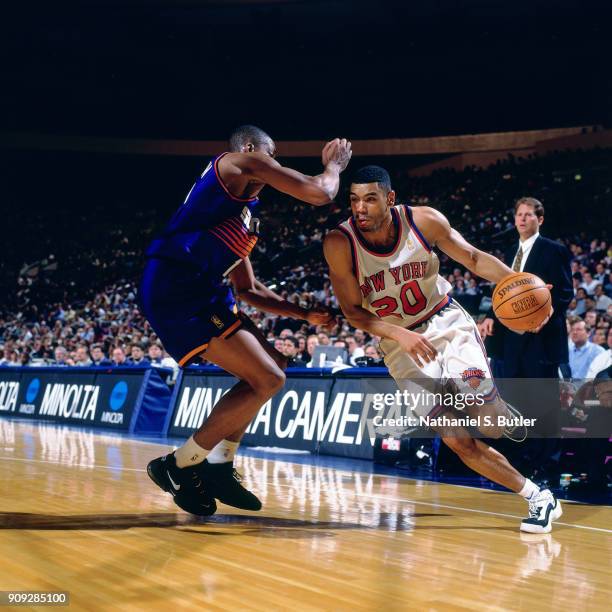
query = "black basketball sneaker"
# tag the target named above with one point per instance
(222, 481)
(544, 508)
(184, 484)
(517, 431)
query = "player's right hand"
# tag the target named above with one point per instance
(337, 152)
(418, 347)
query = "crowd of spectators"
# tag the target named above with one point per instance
(74, 302)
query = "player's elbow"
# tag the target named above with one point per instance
(473, 259)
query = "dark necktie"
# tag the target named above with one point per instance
(518, 260)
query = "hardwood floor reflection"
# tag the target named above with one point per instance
(80, 514)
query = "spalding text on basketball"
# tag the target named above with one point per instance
(517, 283)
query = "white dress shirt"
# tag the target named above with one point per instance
(526, 246)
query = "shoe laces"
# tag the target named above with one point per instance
(538, 500)
(237, 475)
(534, 507)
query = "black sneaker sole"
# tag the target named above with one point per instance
(198, 510)
(253, 504)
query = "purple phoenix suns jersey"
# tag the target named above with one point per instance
(213, 229)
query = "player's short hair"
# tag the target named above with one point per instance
(373, 174)
(245, 134)
(538, 207)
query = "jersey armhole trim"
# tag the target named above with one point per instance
(224, 186)
(415, 229)
(352, 246)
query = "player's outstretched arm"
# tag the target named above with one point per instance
(316, 190)
(255, 293)
(439, 232)
(346, 288)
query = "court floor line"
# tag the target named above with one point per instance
(373, 496)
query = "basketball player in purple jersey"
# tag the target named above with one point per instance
(193, 311)
(384, 272)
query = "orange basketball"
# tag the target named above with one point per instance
(521, 301)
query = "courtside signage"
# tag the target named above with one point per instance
(89, 398)
(315, 414)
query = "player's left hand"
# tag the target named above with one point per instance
(320, 316)
(338, 152)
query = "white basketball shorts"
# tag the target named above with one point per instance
(461, 365)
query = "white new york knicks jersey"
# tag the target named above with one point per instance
(401, 284)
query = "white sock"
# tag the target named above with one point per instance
(191, 453)
(224, 452)
(529, 489)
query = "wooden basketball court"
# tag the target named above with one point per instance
(79, 514)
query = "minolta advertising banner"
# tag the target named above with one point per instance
(312, 413)
(337, 414)
(96, 397)
(293, 418)
(343, 414)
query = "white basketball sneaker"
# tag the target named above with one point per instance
(544, 508)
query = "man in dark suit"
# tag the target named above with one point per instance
(539, 354)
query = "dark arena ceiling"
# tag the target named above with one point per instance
(304, 69)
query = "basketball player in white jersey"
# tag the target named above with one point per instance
(384, 273)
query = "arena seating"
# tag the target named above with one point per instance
(76, 283)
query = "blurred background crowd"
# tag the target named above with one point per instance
(74, 301)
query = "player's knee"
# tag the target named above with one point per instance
(464, 447)
(276, 380)
(268, 382)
